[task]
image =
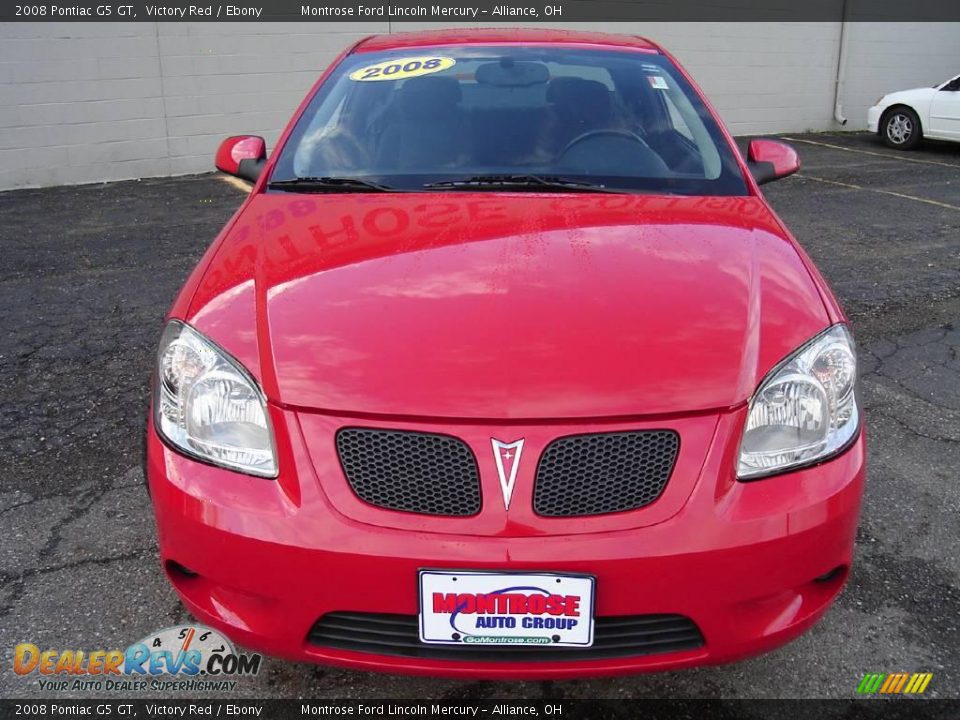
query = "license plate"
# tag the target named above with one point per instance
(486, 608)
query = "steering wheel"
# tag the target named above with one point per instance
(605, 132)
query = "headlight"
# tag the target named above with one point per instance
(879, 100)
(805, 410)
(209, 407)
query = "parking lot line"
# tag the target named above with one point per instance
(871, 152)
(851, 186)
(237, 183)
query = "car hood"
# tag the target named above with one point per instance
(505, 306)
(913, 95)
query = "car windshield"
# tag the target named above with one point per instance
(518, 117)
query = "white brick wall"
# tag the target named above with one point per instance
(224, 79)
(86, 102)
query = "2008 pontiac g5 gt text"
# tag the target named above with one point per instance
(505, 368)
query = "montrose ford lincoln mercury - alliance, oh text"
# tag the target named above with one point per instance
(505, 368)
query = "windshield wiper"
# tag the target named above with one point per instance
(329, 184)
(507, 182)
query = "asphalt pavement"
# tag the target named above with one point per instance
(86, 274)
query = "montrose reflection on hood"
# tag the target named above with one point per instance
(509, 305)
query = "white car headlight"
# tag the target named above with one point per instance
(805, 410)
(207, 405)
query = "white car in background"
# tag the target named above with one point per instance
(903, 118)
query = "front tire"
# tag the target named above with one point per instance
(900, 128)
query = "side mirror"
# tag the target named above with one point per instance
(770, 160)
(243, 156)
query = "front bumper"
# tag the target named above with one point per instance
(267, 559)
(873, 118)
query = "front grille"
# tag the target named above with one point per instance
(613, 637)
(410, 471)
(603, 473)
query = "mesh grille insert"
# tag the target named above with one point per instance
(603, 473)
(410, 471)
(613, 637)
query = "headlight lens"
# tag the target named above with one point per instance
(805, 410)
(209, 407)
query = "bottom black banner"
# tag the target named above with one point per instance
(914, 709)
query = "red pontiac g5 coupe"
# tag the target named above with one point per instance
(506, 369)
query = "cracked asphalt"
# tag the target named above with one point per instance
(88, 272)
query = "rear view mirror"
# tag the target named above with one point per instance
(771, 160)
(243, 156)
(510, 73)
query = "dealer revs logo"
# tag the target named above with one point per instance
(182, 651)
(538, 610)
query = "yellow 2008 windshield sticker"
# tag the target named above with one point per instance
(402, 68)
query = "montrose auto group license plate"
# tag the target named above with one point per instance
(485, 608)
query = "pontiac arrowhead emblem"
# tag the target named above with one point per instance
(507, 456)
